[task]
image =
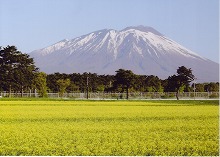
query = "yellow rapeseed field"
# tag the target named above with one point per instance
(109, 128)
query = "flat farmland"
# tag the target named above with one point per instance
(128, 128)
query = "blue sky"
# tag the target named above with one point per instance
(34, 24)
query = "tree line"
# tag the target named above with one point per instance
(19, 74)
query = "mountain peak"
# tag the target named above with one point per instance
(144, 29)
(141, 49)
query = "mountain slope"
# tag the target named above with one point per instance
(140, 49)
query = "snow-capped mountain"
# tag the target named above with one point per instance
(140, 49)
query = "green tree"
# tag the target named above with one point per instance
(40, 83)
(124, 79)
(185, 76)
(140, 83)
(199, 87)
(181, 80)
(16, 69)
(101, 88)
(52, 81)
(212, 87)
(153, 84)
(63, 84)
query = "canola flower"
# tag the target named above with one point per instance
(108, 128)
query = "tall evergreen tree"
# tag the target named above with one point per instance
(16, 69)
(125, 79)
(182, 79)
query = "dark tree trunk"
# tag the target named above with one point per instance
(9, 91)
(127, 92)
(22, 91)
(177, 95)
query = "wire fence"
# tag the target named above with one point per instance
(118, 96)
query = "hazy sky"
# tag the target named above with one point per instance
(34, 24)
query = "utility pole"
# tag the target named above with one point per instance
(87, 87)
(194, 88)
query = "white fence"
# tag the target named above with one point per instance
(137, 95)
